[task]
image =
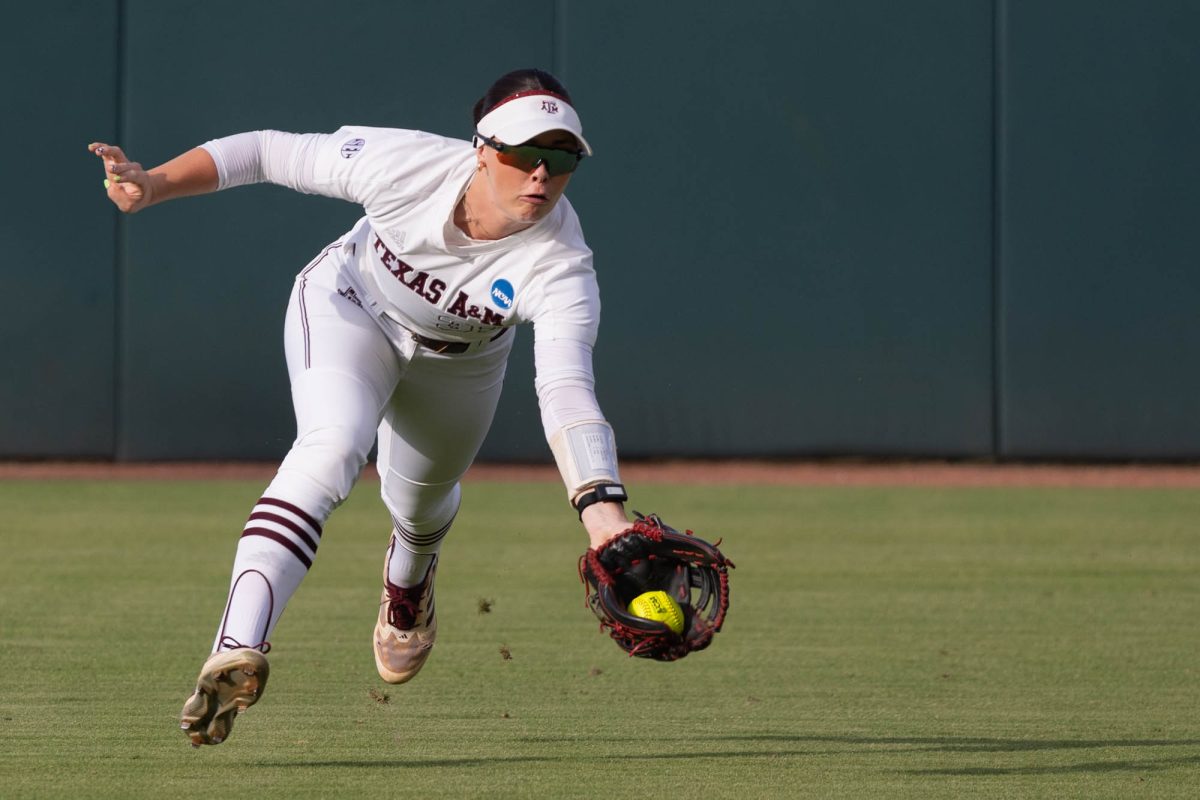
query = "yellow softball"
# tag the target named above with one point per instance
(660, 607)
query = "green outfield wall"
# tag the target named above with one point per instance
(955, 228)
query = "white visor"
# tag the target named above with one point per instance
(517, 119)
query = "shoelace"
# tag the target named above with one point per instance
(404, 606)
(230, 643)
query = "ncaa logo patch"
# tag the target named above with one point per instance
(352, 147)
(502, 294)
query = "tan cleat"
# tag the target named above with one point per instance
(230, 682)
(406, 629)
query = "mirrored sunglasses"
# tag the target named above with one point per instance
(527, 158)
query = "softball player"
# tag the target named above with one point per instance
(400, 331)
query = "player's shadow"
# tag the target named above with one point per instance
(916, 744)
(951, 744)
(488, 761)
(969, 745)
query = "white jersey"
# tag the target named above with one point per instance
(417, 266)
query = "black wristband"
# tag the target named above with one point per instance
(604, 493)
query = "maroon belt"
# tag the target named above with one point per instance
(449, 348)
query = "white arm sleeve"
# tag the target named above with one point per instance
(286, 159)
(566, 387)
(580, 438)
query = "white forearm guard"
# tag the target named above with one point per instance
(586, 453)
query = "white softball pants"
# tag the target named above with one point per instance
(354, 379)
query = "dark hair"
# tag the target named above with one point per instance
(521, 80)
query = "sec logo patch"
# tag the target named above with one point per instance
(352, 147)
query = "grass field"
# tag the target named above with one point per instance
(882, 643)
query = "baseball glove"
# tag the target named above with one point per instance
(649, 556)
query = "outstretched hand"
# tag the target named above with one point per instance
(128, 185)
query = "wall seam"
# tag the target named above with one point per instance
(120, 248)
(559, 67)
(999, 165)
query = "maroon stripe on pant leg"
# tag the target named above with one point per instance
(287, 523)
(304, 325)
(271, 501)
(304, 304)
(283, 540)
(422, 540)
